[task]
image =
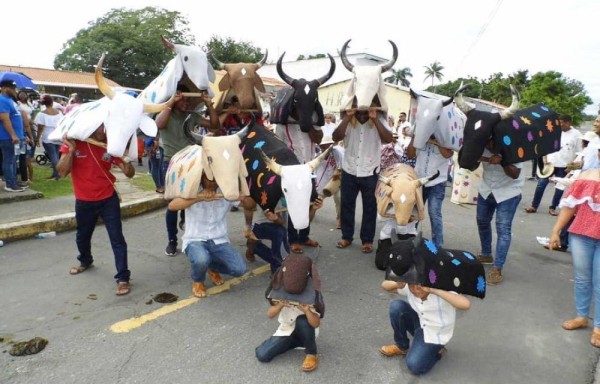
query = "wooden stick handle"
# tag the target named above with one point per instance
(217, 196)
(96, 143)
(193, 94)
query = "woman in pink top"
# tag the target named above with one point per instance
(583, 200)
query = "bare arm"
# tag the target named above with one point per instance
(5, 118)
(565, 215)
(313, 318)
(276, 308)
(385, 135)
(163, 117)
(213, 124)
(316, 135)
(458, 301)
(127, 168)
(389, 285)
(179, 203)
(512, 171)
(340, 131)
(65, 164)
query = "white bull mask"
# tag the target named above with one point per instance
(297, 186)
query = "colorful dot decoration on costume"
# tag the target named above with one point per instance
(456, 282)
(456, 262)
(432, 276)
(520, 152)
(506, 140)
(469, 256)
(536, 115)
(480, 284)
(255, 164)
(182, 184)
(431, 246)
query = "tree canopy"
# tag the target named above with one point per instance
(131, 39)
(400, 76)
(227, 50)
(434, 71)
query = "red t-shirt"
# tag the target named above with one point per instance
(584, 196)
(92, 180)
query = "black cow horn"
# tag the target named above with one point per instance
(326, 77)
(219, 64)
(167, 43)
(386, 67)
(194, 137)
(445, 103)
(345, 61)
(264, 59)
(289, 80)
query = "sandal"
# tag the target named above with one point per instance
(296, 248)
(123, 288)
(311, 362)
(367, 247)
(79, 269)
(311, 243)
(215, 277)
(576, 323)
(553, 212)
(530, 210)
(343, 243)
(595, 340)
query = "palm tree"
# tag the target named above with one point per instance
(434, 71)
(400, 76)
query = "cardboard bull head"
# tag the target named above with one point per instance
(366, 88)
(398, 185)
(438, 118)
(120, 113)
(240, 80)
(479, 128)
(305, 98)
(190, 65)
(221, 158)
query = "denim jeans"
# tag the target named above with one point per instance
(155, 165)
(421, 356)
(277, 234)
(505, 212)
(86, 214)
(9, 163)
(350, 187)
(222, 258)
(52, 152)
(586, 269)
(435, 195)
(541, 187)
(303, 336)
(171, 216)
(297, 236)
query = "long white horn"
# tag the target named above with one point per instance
(514, 107)
(276, 168)
(459, 99)
(314, 163)
(384, 180)
(427, 179)
(100, 82)
(156, 108)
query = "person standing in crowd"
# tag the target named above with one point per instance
(155, 162)
(328, 173)
(590, 160)
(11, 134)
(170, 124)
(74, 102)
(26, 166)
(330, 125)
(499, 193)
(46, 121)
(95, 197)
(360, 170)
(570, 144)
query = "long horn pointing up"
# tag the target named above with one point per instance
(514, 107)
(102, 86)
(387, 66)
(326, 77)
(460, 100)
(264, 59)
(345, 61)
(284, 76)
(314, 163)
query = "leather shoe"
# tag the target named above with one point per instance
(576, 323)
(392, 350)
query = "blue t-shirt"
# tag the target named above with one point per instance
(7, 105)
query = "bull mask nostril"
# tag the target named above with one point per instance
(210, 160)
(438, 118)
(185, 58)
(284, 189)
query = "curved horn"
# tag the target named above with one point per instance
(156, 108)
(263, 60)
(384, 180)
(219, 64)
(289, 80)
(276, 168)
(460, 100)
(314, 163)
(167, 43)
(446, 103)
(387, 66)
(242, 133)
(326, 77)
(194, 137)
(427, 179)
(104, 88)
(345, 61)
(514, 107)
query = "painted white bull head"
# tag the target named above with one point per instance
(189, 61)
(296, 184)
(439, 118)
(366, 88)
(120, 113)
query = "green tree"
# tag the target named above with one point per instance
(317, 56)
(227, 50)
(566, 96)
(400, 76)
(434, 71)
(450, 87)
(131, 39)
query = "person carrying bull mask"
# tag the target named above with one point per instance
(363, 132)
(170, 123)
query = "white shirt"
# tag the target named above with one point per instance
(429, 161)
(570, 144)
(328, 129)
(297, 141)
(362, 148)
(206, 220)
(590, 155)
(436, 315)
(287, 321)
(495, 181)
(325, 170)
(49, 122)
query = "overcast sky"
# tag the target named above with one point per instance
(476, 38)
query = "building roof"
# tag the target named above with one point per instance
(56, 78)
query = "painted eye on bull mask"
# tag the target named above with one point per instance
(185, 58)
(285, 190)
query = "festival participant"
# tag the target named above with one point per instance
(96, 196)
(46, 122)
(205, 241)
(328, 174)
(11, 133)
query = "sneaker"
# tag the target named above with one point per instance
(16, 188)
(485, 259)
(234, 209)
(494, 276)
(23, 185)
(171, 249)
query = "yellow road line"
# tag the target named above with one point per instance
(136, 322)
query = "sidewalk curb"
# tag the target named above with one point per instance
(25, 229)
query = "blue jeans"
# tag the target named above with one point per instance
(277, 234)
(435, 195)
(541, 187)
(586, 268)
(86, 214)
(155, 164)
(222, 258)
(303, 336)
(421, 356)
(505, 212)
(350, 187)
(297, 236)
(171, 216)
(52, 152)
(9, 163)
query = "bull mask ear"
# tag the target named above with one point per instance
(514, 107)
(314, 163)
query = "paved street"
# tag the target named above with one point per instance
(513, 336)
